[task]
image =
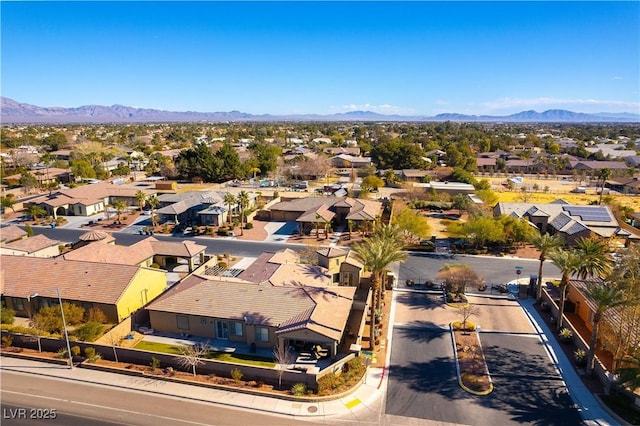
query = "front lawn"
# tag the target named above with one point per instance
(214, 355)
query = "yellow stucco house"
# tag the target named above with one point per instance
(29, 283)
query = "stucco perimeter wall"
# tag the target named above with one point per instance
(116, 333)
(600, 371)
(219, 368)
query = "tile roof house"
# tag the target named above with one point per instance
(569, 221)
(344, 268)
(143, 253)
(309, 212)
(37, 246)
(11, 233)
(256, 314)
(28, 283)
(86, 200)
(346, 161)
(283, 269)
(193, 207)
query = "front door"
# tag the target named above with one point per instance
(222, 331)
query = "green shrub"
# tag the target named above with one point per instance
(155, 266)
(155, 362)
(299, 389)
(565, 333)
(75, 351)
(223, 231)
(355, 364)
(7, 341)
(450, 297)
(7, 316)
(89, 332)
(89, 352)
(222, 264)
(248, 225)
(327, 383)
(18, 329)
(96, 315)
(236, 375)
(62, 353)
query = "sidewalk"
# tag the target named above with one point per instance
(359, 405)
(589, 407)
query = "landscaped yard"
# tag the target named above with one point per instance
(218, 356)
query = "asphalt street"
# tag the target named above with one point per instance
(77, 403)
(421, 266)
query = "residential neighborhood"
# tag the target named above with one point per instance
(220, 253)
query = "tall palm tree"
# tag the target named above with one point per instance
(603, 175)
(153, 202)
(120, 206)
(229, 200)
(243, 201)
(596, 260)
(604, 297)
(568, 261)
(545, 243)
(141, 197)
(376, 253)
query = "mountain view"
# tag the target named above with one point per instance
(13, 112)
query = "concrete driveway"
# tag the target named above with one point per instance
(279, 231)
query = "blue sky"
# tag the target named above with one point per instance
(415, 58)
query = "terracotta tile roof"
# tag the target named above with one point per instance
(330, 315)
(285, 256)
(331, 252)
(324, 311)
(294, 274)
(283, 269)
(11, 233)
(359, 209)
(32, 244)
(81, 281)
(260, 270)
(108, 253)
(134, 254)
(319, 214)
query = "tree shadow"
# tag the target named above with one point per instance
(414, 300)
(527, 386)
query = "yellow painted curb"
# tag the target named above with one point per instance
(353, 403)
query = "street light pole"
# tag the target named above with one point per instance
(64, 326)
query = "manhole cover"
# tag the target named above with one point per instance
(312, 409)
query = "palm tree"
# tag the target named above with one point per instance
(376, 253)
(35, 211)
(153, 202)
(120, 206)
(243, 201)
(604, 297)
(141, 197)
(603, 175)
(229, 200)
(545, 243)
(568, 261)
(596, 260)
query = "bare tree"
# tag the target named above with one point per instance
(192, 355)
(284, 358)
(469, 310)
(114, 341)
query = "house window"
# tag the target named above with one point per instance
(236, 329)
(336, 278)
(262, 334)
(182, 322)
(18, 304)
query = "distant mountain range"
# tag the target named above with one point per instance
(12, 112)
